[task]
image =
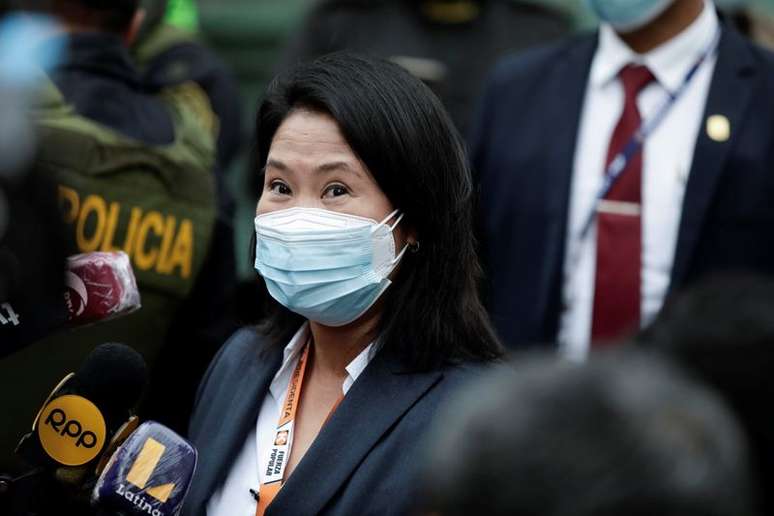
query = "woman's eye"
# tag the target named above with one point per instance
(335, 191)
(280, 188)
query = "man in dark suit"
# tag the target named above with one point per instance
(570, 260)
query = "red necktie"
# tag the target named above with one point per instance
(619, 230)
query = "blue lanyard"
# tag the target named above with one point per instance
(622, 159)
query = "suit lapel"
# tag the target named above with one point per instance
(379, 397)
(228, 427)
(729, 96)
(565, 95)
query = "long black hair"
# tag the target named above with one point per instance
(432, 313)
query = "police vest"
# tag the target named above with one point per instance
(156, 203)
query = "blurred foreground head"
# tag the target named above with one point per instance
(623, 435)
(723, 332)
(30, 268)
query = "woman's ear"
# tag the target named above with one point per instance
(412, 240)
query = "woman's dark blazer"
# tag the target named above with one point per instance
(363, 461)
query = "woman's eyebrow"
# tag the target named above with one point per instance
(337, 166)
(273, 163)
(332, 166)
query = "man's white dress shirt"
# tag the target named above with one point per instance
(233, 498)
(667, 158)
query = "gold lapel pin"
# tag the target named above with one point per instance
(718, 128)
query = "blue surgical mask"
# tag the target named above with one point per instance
(628, 15)
(326, 266)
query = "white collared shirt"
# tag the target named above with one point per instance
(667, 159)
(233, 498)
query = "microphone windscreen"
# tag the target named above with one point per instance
(113, 376)
(150, 473)
(77, 422)
(100, 287)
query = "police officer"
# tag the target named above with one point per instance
(134, 172)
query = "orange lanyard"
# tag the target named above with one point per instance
(279, 454)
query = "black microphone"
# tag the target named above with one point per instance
(81, 423)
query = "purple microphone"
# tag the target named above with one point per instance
(149, 474)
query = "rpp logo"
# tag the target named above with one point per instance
(57, 419)
(71, 430)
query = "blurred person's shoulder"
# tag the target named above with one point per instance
(169, 56)
(750, 60)
(537, 62)
(763, 55)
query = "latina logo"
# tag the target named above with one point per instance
(140, 475)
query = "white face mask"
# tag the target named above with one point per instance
(326, 266)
